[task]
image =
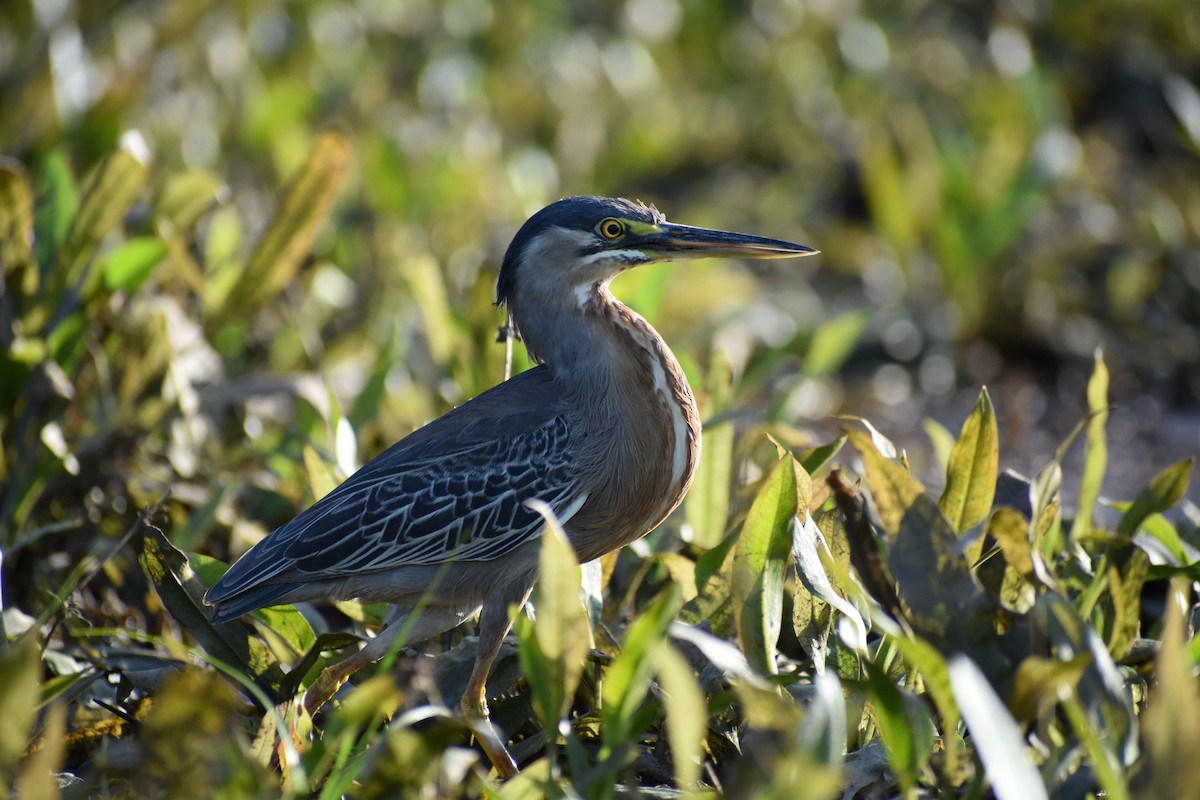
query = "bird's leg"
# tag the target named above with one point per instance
(413, 626)
(494, 625)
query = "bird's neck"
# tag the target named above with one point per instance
(618, 374)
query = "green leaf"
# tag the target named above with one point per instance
(108, 196)
(366, 404)
(713, 602)
(283, 247)
(127, 267)
(322, 476)
(687, 714)
(833, 342)
(1162, 493)
(823, 731)
(706, 506)
(817, 458)
(906, 730)
(627, 679)
(1127, 570)
(556, 644)
(935, 676)
(972, 469)
(759, 561)
(1023, 569)
(58, 202)
(1096, 461)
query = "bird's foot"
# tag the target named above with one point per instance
(475, 710)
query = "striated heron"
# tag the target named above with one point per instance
(605, 431)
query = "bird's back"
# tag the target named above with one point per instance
(452, 490)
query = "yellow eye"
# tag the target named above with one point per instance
(611, 228)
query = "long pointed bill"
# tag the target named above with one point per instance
(673, 241)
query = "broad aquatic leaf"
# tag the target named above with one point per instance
(935, 675)
(713, 603)
(867, 553)
(557, 649)
(759, 561)
(822, 733)
(815, 594)
(973, 466)
(182, 595)
(322, 476)
(934, 580)
(1040, 683)
(687, 714)
(1101, 689)
(1096, 461)
(1127, 570)
(627, 679)
(995, 735)
(1017, 572)
(893, 489)
(905, 728)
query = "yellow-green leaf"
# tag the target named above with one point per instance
(893, 489)
(108, 196)
(185, 197)
(285, 244)
(1171, 722)
(16, 227)
(20, 672)
(1127, 572)
(38, 775)
(972, 469)
(555, 646)
(759, 559)
(1096, 461)
(707, 504)
(687, 714)
(127, 267)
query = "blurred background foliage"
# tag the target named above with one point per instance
(998, 191)
(291, 263)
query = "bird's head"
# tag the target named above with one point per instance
(579, 243)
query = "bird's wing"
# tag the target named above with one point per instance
(455, 490)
